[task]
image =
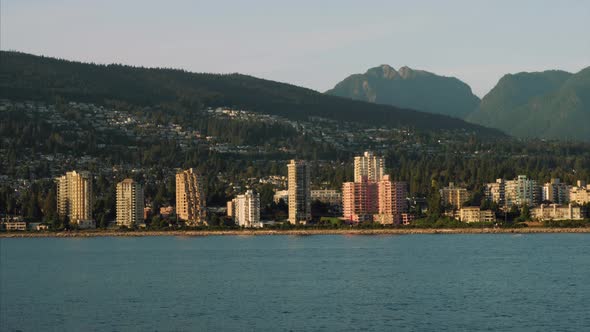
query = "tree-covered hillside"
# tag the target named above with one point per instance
(24, 76)
(551, 104)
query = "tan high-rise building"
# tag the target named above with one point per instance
(190, 197)
(299, 192)
(454, 196)
(368, 165)
(129, 203)
(74, 198)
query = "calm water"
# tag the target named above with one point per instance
(332, 283)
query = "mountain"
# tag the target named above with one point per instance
(25, 76)
(551, 104)
(409, 88)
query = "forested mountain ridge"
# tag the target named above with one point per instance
(551, 104)
(25, 76)
(409, 88)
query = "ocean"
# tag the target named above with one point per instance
(483, 282)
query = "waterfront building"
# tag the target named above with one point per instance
(391, 201)
(130, 204)
(556, 192)
(14, 225)
(580, 193)
(359, 200)
(74, 198)
(558, 212)
(190, 197)
(299, 192)
(453, 196)
(246, 209)
(368, 165)
(383, 202)
(475, 214)
(519, 192)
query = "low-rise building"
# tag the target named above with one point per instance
(476, 214)
(15, 226)
(557, 212)
(407, 218)
(328, 196)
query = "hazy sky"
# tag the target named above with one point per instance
(309, 43)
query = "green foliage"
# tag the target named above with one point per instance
(551, 104)
(24, 76)
(567, 223)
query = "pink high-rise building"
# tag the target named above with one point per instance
(359, 200)
(382, 201)
(392, 201)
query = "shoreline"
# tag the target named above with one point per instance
(294, 232)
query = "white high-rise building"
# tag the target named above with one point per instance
(129, 203)
(246, 209)
(368, 165)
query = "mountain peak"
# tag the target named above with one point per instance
(383, 71)
(406, 72)
(409, 88)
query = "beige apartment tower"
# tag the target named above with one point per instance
(190, 197)
(299, 192)
(368, 165)
(454, 196)
(129, 203)
(74, 198)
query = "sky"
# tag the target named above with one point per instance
(314, 44)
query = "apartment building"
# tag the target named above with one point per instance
(475, 214)
(519, 192)
(580, 193)
(556, 192)
(130, 204)
(360, 200)
(370, 166)
(74, 198)
(246, 209)
(190, 197)
(298, 182)
(453, 196)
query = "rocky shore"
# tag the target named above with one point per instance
(297, 232)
